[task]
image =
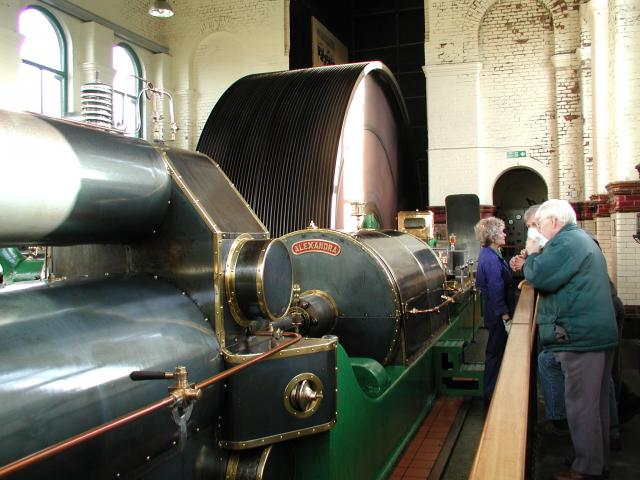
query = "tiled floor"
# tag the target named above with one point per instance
(423, 450)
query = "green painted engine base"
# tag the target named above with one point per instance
(379, 410)
(18, 267)
(454, 375)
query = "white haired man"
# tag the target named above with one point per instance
(576, 321)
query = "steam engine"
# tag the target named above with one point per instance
(162, 282)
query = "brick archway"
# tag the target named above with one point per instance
(561, 14)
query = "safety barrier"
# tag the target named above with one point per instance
(502, 451)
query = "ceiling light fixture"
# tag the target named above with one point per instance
(161, 9)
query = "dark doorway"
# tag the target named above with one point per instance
(515, 191)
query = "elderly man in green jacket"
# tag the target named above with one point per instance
(576, 322)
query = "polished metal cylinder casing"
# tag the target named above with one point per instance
(414, 267)
(64, 183)
(66, 352)
(374, 278)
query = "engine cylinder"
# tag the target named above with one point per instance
(85, 185)
(66, 352)
(375, 278)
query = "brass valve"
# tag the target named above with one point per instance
(303, 395)
(296, 311)
(183, 392)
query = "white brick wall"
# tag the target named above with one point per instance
(216, 43)
(597, 11)
(517, 112)
(627, 271)
(516, 44)
(569, 127)
(211, 44)
(453, 133)
(570, 96)
(130, 15)
(516, 108)
(603, 232)
(624, 83)
(508, 36)
(586, 102)
(588, 225)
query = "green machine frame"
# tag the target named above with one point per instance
(379, 411)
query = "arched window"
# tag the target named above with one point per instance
(43, 73)
(127, 114)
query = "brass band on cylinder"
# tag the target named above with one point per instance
(249, 295)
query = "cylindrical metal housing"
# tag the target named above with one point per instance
(303, 145)
(84, 185)
(66, 352)
(415, 268)
(274, 462)
(321, 311)
(374, 278)
(258, 279)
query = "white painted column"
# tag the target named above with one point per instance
(624, 50)
(159, 74)
(569, 122)
(586, 103)
(586, 100)
(600, 82)
(184, 101)
(95, 59)
(10, 42)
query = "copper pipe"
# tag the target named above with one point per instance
(262, 356)
(83, 437)
(136, 414)
(437, 308)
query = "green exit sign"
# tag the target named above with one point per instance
(516, 154)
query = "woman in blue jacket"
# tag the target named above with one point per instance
(498, 301)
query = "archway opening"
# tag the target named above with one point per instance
(515, 191)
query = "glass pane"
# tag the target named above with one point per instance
(130, 115)
(51, 94)
(30, 92)
(41, 44)
(124, 79)
(118, 109)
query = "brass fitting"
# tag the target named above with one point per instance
(182, 390)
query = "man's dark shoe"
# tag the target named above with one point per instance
(554, 427)
(615, 444)
(568, 461)
(628, 404)
(570, 474)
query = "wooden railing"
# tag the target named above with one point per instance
(502, 451)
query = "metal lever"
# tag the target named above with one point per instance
(182, 390)
(150, 375)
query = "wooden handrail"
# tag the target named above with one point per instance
(502, 449)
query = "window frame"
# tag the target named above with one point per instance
(62, 42)
(137, 65)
